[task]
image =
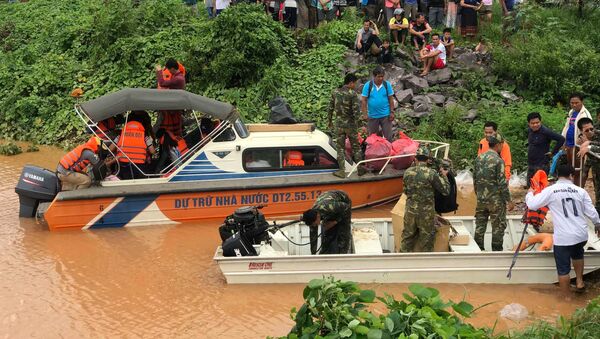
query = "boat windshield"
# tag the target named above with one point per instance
(240, 128)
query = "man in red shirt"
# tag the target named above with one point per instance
(171, 77)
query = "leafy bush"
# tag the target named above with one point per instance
(238, 46)
(550, 55)
(10, 149)
(342, 32)
(337, 309)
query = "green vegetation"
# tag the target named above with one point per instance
(10, 149)
(340, 309)
(336, 309)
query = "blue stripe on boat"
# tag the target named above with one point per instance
(127, 209)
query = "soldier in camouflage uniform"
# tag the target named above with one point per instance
(420, 184)
(593, 136)
(492, 193)
(345, 103)
(333, 210)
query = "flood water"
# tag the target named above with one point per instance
(161, 281)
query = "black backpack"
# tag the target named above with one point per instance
(447, 204)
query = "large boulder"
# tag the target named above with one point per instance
(439, 76)
(422, 98)
(405, 96)
(393, 73)
(471, 115)
(467, 60)
(417, 84)
(351, 61)
(436, 98)
(420, 106)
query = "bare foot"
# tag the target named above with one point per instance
(424, 73)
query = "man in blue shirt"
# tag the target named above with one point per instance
(377, 96)
(538, 147)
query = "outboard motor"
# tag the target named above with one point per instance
(35, 185)
(244, 220)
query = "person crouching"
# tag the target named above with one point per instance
(333, 211)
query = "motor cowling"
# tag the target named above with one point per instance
(35, 185)
(242, 229)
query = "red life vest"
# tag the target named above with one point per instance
(293, 158)
(181, 144)
(132, 143)
(536, 218)
(167, 74)
(72, 161)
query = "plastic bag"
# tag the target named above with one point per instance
(377, 147)
(514, 311)
(464, 181)
(517, 180)
(349, 154)
(404, 145)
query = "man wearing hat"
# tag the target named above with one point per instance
(333, 212)
(420, 184)
(398, 26)
(492, 193)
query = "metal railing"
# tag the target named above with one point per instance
(442, 147)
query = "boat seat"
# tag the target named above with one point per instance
(471, 247)
(366, 239)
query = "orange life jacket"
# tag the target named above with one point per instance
(167, 74)
(293, 158)
(181, 144)
(536, 218)
(132, 143)
(171, 122)
(72, 161)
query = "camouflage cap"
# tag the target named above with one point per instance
(423, 150)
(495, 139)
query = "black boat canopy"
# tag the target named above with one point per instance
(132, 99)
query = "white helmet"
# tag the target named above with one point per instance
(398, 11)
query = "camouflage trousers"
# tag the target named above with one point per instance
(596, 178)
(419, 229)
(351, 132)
(496, 212)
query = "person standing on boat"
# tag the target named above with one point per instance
(333, 211)
(345, 103)
(377, 104)
(72, 168)
(491, 189)
(172, 77)
(420, 184)
(569, 205)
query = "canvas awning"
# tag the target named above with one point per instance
(130, 99)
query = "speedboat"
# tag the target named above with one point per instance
(227, 166)
(287, 259)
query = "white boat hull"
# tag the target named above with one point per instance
(443, 267)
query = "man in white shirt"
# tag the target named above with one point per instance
(569, 205)
(434, 55)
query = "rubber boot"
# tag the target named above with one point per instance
(361, 171)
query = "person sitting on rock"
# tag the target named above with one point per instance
(386, 56)
(367, 39)
(398, 26)
(448, 42)
(482, 52)
(434, 55)
(419, 29)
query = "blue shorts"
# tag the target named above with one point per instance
(564, 254)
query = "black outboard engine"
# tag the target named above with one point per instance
(35, 185)
(244, 220)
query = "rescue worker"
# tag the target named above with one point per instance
(333, 211)
(345, 103)
(175, 145)
(172, 77)
(420, 184)
(591, 137)
(492, 193)
(72, 168)
(135, 146)
(491, 128)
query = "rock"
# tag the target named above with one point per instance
(459, 50)
(468, 59)
(414, 114)
(352, 61)
(471, 115)
(398, 87)
(405, 96)
(415, 83)
(439, 76)
(421, 107)
(422, 98)
(393, 73)
(406, 55)
(459, 83)
(509, 96)
(436, 98)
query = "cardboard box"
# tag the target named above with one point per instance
(442, 235)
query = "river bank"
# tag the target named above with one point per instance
(161, 281)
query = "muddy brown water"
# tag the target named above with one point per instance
(160, 281)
